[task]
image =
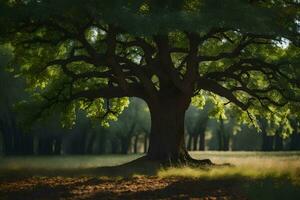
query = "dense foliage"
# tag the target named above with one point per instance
(91, 55)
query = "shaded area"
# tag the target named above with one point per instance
(103, 188)
(146, 187)
(270, 188)
(139, 179)
(138, 166)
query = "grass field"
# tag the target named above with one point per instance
(254, 175)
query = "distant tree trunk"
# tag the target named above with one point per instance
(195, 142)
(267, 142)
(1, 143)
(135, 144)
(295, 137)
(90, 143)
(295, 141)
(114, 146)
(278, 142)
(145, 143)
(16, 136)
(189, 144)
(226, 141)
(220, 133)
(27, 144)
(202, 141)
(102, 143)
(57, 145)
(125, 143)
(45, 146)
(126, 139)
(11, 138)
(202, 134)
(8, 140)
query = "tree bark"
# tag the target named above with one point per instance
(167, 130)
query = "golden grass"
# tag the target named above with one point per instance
(251, 165)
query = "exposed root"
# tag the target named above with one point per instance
(204, 162)
(187, 160)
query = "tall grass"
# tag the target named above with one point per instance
(261, 176)
(245, 164)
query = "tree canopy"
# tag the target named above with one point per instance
(91, 55)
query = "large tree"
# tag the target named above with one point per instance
(89, 55)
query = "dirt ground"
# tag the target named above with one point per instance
(139, 187)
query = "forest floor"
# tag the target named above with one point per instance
(142, 187)
(254, 176)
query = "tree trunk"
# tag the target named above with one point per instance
(145, 143)
(267, 143)
(220, 133)
(189, 144)
(295, 141)
(295, 137)
(115, 144)
(57, 145)
(125, 143)
(195, 142)
(102, 143)
(167, 130)
(226, 141)
(202, 141)
(135, 145)
(27, 144)
(278, 142)
(45, 146)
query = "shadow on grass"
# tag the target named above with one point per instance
(152, 187)
(182, 189)
(272, 189)
(140, 166)
(90, 183)
(132, 188)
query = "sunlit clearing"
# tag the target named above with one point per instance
(253, 166)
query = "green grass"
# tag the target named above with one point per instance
(63, 162)
(261, 176)
(245, 164)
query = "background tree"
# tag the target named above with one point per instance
(90, 54)
(247, 139)
(15, 141)
(295, 136)
(196, 122)
(131, 124)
